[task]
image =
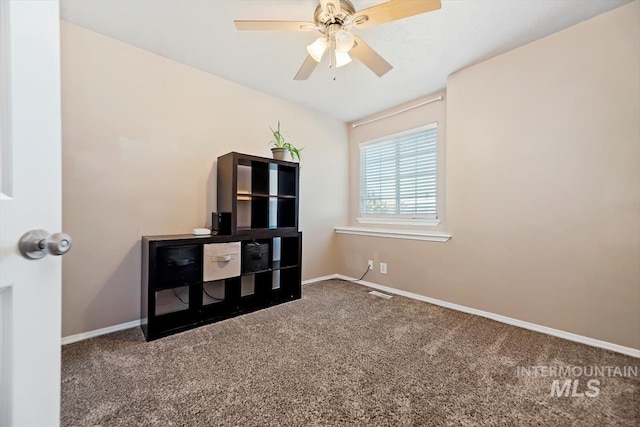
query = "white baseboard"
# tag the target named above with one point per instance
(318, 279)
(500, 318)
(497, 317)
(95, 333)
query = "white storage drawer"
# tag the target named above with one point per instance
(221, 260)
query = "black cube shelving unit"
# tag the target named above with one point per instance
(178, 294)
(260, 193)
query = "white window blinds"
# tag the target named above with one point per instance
(398, 175)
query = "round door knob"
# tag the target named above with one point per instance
(58, 243)
(35, 244)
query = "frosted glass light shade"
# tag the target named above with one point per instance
(342, 58)
(317, 48)
(344, 41)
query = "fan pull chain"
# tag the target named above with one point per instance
(332, 55)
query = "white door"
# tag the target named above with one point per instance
(30, 198)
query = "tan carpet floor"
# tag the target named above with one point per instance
(340, 357)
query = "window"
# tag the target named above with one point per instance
(398, 177)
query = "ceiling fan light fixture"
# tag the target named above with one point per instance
(317, 48)
(335, 19)
(342, 58)
(344, 40)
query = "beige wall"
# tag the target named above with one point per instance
(141, 135)
(542, 185)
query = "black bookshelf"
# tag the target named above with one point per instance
(260, 193)
(259, 263)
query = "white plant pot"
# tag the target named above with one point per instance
(281, 154)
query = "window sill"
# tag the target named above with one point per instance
(395, 234)
(399, 221)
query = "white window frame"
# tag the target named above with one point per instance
(430, 220)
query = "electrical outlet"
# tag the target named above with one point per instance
(383, 267)
(370, 264)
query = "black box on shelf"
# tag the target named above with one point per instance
(221, 223)
(179, 265)
(255, 257)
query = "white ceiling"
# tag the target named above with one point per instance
(423, 49)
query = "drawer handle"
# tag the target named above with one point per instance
(222, 258)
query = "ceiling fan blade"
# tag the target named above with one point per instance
(370, 57)
(336, 6)
(274, 25)
(307, 68)
(393, 10)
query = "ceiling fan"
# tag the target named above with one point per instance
(335, 20)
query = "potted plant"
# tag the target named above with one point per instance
(283, 150)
